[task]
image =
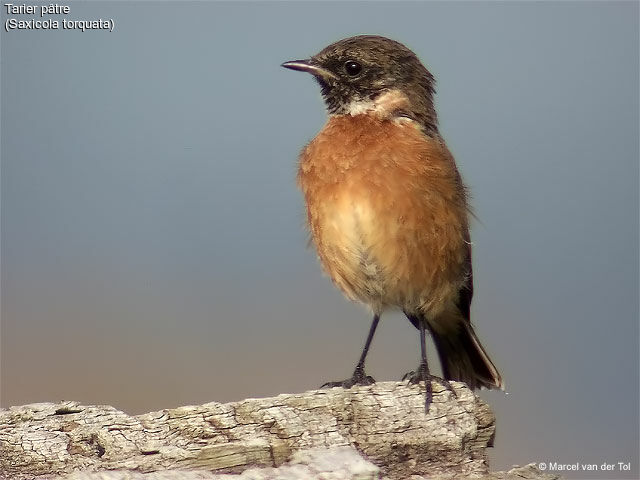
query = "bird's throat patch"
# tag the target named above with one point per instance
(389, 105)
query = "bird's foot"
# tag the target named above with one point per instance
(416, 377)
(359, 377)
(422, 375)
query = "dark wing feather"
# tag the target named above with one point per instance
(466, 292)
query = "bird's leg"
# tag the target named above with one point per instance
(422, 374)
(359, 377)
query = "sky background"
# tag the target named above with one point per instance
(153, 243)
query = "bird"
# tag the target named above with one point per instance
(386, 207)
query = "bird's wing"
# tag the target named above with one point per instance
(466, 292)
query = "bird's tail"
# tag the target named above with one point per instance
(463, 358)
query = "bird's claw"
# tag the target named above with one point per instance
(414, 377)
(359, 377)
(422, 375)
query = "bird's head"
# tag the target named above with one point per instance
(372, 73)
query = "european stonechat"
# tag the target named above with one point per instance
(386, 206)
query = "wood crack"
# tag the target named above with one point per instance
(380, 429)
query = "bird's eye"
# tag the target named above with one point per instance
(352, 68)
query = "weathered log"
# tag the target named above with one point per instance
(364, 432)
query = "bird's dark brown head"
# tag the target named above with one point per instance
(369, 72)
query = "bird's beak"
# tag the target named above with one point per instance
(309, 66)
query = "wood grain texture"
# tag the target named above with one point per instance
(365, 432)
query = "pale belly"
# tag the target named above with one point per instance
(355, 247)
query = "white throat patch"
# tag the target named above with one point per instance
(390, 104)
(358, 107)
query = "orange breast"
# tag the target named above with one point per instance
(387, 213)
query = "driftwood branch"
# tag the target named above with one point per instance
(364, 432)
